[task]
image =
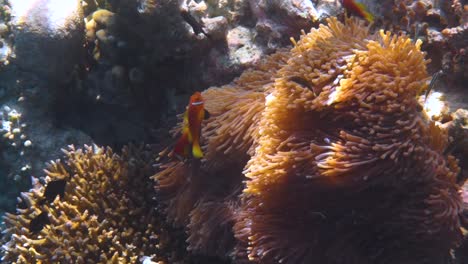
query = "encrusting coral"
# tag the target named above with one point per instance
(105, 214)
(324, 156)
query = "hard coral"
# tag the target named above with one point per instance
(103, 216)
(339, 160)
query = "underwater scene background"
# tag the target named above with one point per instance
(234, 131)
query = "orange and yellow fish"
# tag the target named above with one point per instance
(191, 128)
(359, 9)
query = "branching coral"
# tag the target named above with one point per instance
(342, 165)
(106, 214)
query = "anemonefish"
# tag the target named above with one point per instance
(191, 128)
(359, 9)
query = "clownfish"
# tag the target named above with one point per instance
(191, 128)
(359, 9)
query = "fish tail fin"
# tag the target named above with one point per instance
(369, 17)
(196, 150)
(365, 13)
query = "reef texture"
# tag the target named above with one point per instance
(442, 25)
(105, 214)
(321, 154)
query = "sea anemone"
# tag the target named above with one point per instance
(348, 168)
(187, 189)
(322, 154)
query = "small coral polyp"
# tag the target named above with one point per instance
(322, 155)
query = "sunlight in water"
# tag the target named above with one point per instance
(434, 104)
(58, 11)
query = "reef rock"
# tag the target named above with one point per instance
(48, 36)
(42, 46)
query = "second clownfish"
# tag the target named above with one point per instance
(359, 9)
(189, 142)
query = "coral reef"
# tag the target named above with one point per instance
(16, 148)
(155, 38)
(340, 162)
(462, 252)
(442, 25)
(29, 136)
(40, 42)
(458, 130)
(47, 33)
(105, 214)
(5, 33)
(123, 78)
(332, 152)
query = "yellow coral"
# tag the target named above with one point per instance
(104, 216)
